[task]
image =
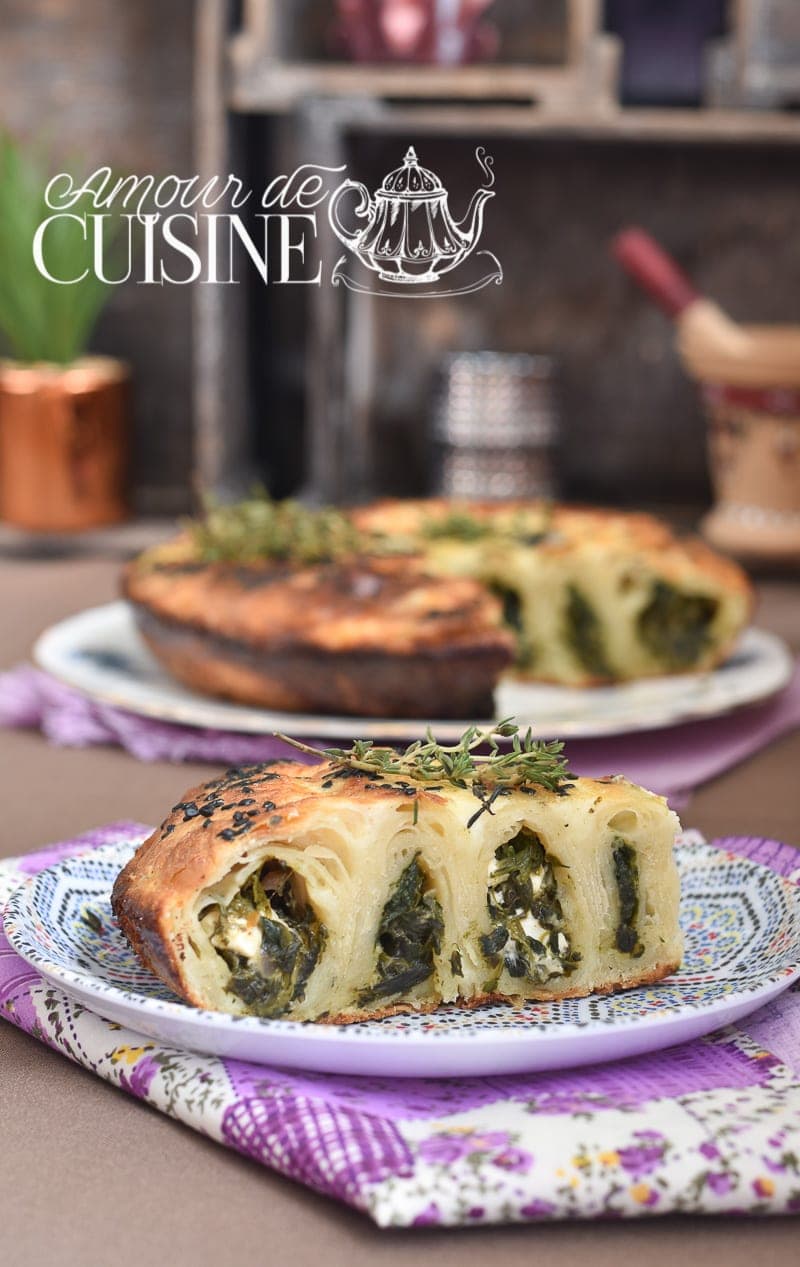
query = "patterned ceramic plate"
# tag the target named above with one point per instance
(742, 929)
(100, 653)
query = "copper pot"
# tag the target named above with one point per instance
(63, 444)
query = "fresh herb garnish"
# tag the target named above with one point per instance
(259, 528)
(459, 525)
(525, 763)
(463, 525)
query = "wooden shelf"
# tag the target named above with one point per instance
(618, 124)
(265, 76)
(258, 84)
(487, 100)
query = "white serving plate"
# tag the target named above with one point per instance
(741, 923)
(100, 653)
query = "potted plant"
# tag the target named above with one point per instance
(63, 414)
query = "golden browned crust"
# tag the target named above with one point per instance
(566, 527)
(386, 605)
(370, 637)
(376, 636)
(138, 912)
(452, 682)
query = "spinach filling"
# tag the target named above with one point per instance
(270, 939)
(584, 635)
(511, 600)
(676, 627)
(409, 935)
(528, 937)
(626, 874)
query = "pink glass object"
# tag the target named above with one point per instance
(442, 32)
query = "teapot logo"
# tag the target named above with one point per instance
(409, 237)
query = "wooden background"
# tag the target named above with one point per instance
(632, 425)
(111, 83)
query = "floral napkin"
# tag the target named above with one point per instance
(710, 1127)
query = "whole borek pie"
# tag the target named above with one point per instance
(415, 609)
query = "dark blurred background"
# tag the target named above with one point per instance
(112, 83)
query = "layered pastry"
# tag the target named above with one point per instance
(377, 882)
(592, 596)
(414, 609)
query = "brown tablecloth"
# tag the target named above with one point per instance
(89, 1176)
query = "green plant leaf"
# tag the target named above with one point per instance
(41, 320)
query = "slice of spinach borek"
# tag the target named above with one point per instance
(528, 938)
(270, 939)
(409, 936)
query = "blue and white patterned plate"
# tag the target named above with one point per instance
(741, 923)
(100, 653)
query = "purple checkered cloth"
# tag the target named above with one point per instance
(709, 1127)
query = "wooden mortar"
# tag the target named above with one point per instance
(753, 408)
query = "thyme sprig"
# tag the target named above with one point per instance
(458, 526)
(259, 528)
(525, 763)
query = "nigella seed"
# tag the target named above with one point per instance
(268, 805)
(169, 829)
(250, 800)
(227, 834)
